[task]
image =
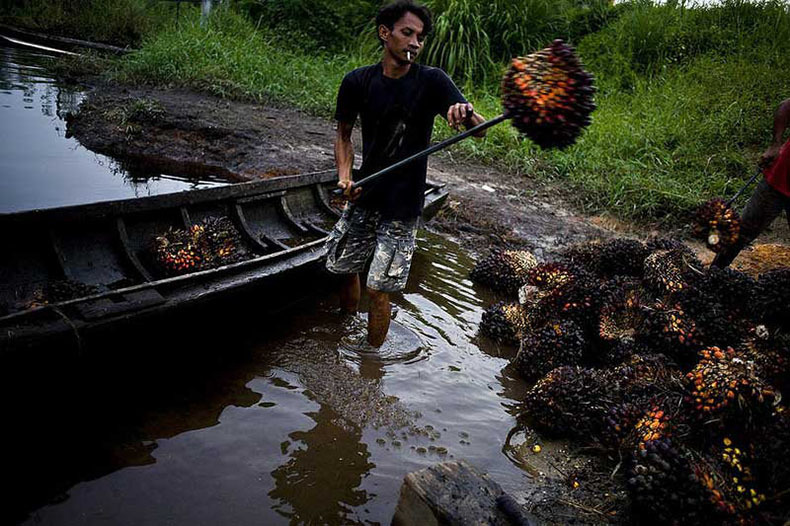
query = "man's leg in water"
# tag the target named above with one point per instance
(763, 207)
(350, 292)
(378, 317)
(388, 273)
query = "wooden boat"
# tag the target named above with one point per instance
(101, 253)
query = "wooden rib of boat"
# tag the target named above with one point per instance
(102, 252)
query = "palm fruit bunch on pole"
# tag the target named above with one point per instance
(663, 486)
(549, 96)
(504, 270)
(505, 322)
(555, 344)
(771, 298)
(212, 242)
(717, 224)
(724, 387)
(728, 483)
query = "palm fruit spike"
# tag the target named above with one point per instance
(504, 270)
(717, 224)
(504, 322)
(725, 384)
(549, 96)
(558, 343)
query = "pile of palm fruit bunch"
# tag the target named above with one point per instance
(549, 96)
(209, 244)
(717, 224)
(674, 368)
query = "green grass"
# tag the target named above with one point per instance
(685, 100)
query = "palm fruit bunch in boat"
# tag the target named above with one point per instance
(556, 343)
(663, 486)
(771, 299)
(771, 356)
(724, 385)
(571, 401)
(60, 290)
(667, 271)
(717, 224)
(504, 270)
(549, 96)
(220, 243)
(668, 329)
(505, 322)
(728, 483)
(177, 251)
(210, 243)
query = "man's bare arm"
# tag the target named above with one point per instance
(344, 157)
(781, 120)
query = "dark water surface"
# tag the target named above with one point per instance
(39, 166)
(268, 421)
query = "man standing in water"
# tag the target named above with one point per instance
(772, 194)
(397, 101)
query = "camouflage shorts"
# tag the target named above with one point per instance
(360, 233)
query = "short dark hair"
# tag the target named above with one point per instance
(394, 11)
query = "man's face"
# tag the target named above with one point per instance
(404, 42)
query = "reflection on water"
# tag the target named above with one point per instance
(266, 422)
(39, 166)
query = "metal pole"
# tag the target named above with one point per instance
(744, 187)
(428, 151)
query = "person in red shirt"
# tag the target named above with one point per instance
(772, 194)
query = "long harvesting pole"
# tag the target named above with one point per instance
(426, 152)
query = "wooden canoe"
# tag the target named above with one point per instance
(104, 249)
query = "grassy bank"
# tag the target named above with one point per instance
(685, 101)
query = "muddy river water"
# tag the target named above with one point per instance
(277, 423)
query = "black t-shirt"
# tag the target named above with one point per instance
(397, 120)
